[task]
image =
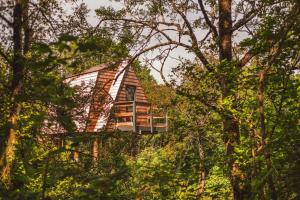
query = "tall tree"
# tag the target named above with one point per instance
(23, 23)
(17, 66)
(234, 31)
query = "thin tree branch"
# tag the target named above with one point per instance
(6, 20)
(246, 58)
(4, 56)
(131, 60)
(247, 17)
(195, 47)
(54, 29)
(206, 36)
(207, 20)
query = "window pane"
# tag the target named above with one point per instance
(130, 93)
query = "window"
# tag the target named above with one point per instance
(130, 92)
(129, 108)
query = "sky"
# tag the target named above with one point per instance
(94, 4)
(170, 63)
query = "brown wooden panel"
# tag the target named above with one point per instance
(123, 114)
(104, 81)
(131, 79)
(139, 91)
(103, 85)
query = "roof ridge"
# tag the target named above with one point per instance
(97, 68)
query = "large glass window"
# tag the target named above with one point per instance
(130, 92)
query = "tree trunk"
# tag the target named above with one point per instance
(225, 30)
(8, 146)
(26, 28)
(241, 189)
(95, 150)
(263, 133)
(75, 153)
(201, 171)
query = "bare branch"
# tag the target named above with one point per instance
(195, 47)
(163, 65)
(207, 20)
(166, 54)
(4, 55)
(148, 23)
(247, 17)
(6, 20)
(206, 36)
(131, 60)
(246, 58)
(154, 25)
(42, 11)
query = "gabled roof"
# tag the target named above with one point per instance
(92, 78)
(99, 88)
(90, 70)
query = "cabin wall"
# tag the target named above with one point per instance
(96, 84)
(132, 79)
(141, 110)
(100, 97)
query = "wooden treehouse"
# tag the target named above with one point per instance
(117, 102)
(112, 99)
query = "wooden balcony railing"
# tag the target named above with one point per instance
(138, 117)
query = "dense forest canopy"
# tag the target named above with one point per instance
(232, 100)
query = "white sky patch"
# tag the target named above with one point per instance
(176, 53)
(170, 63)
(94, 4)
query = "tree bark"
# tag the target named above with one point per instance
(75, 153)
(201, 171)
(225, 33)
(231, 133)
(8, 146)
(263, 133)
(45, 174)
(95, 150)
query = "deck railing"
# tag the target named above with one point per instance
(138, 117)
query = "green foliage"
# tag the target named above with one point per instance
(217, 185)
(160, 173)
(190, 160)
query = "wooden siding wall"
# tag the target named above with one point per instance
(132, 79)
(101, 96)
(104, 82)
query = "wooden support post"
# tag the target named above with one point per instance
(133, 145)
(134, 116)
(62, 143)
(95, 150)
(58, 142)
(76, 153)
(167, 124)
(151, 120)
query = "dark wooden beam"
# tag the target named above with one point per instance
(134, 116)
